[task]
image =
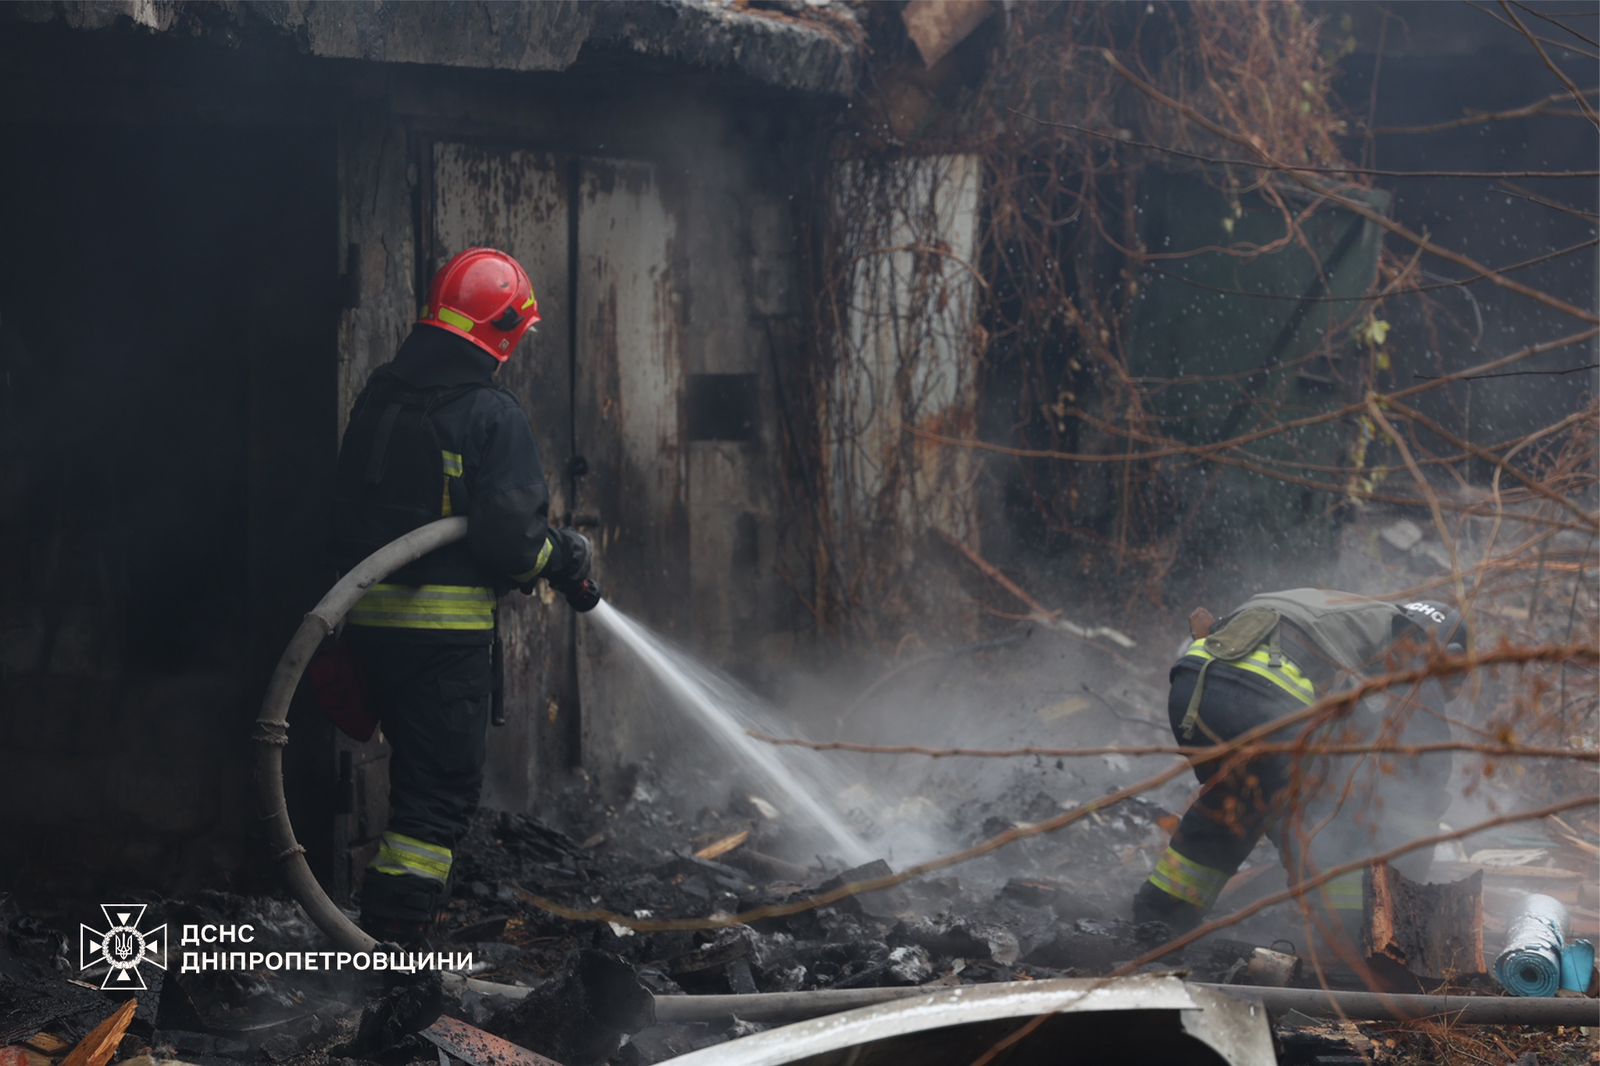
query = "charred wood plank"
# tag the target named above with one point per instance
(1432, 931)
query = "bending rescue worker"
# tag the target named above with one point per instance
(1278, 653)
(432, 435)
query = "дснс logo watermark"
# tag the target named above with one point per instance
(123, 946)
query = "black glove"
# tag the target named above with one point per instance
(571, 577)
(574, 562)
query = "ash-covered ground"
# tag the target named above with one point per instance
(696, 836)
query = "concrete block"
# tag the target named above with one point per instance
(1398, 539)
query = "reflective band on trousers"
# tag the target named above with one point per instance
(1186, 879)
(425, 607)
(1344, 893)
(402, 855)
(1284, 673)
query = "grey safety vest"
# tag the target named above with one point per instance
(1329, 637)
(1352, 632)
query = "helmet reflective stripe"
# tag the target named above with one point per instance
(455, 318)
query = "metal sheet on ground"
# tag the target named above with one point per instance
(1141, 1016)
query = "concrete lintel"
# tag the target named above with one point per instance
(800, 55)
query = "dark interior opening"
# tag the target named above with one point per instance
(168, 412)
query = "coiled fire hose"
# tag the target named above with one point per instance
(271, 736)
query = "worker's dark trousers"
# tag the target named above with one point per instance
(1228, 818)
(1319, 811)
(433, 702)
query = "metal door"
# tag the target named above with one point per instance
(602, 383)
(519, 201)
(629, 380)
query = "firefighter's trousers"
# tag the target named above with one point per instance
(433, 701)
(1298, 802)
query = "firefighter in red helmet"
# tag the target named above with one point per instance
(433, 435)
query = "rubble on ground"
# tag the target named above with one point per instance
(1035, 916)
(1043, 907)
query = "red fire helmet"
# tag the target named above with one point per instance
(485, 296)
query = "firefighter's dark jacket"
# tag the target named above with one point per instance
(432, 435)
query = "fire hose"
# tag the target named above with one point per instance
(271, 736)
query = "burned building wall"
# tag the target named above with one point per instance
(659, 214)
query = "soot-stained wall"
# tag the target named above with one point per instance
(213, 239)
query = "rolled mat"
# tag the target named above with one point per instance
(1530, 965)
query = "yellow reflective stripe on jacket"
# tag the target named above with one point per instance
(452, 468)
(1179, 876)
(538, 564)
(454, 607)
(1285, 674)
(456, 319)
(402, 855)
(1344, 893)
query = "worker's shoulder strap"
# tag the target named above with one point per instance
(430, 398)
(1238, 638)
(396, 396)
(1243, 634)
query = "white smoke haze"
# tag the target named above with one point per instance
(1031, 686)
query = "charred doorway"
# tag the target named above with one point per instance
(168, 407)
(601, 381)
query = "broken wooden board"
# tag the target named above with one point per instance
(1432, 931)
(717, 849)
(101, 1044)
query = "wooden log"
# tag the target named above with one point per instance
(1431, 931)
